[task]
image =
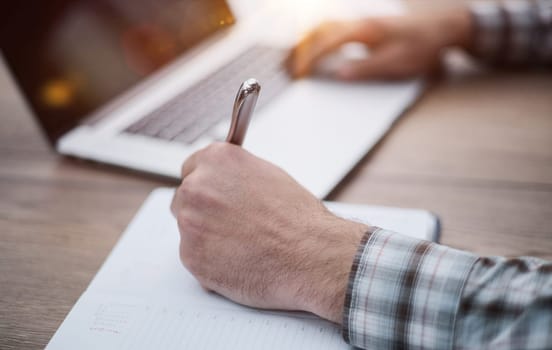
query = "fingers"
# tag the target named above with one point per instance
(174, 205)
(375, 67)
(327, 38)
(384, 63)
(187, 168)
(190, 165)
(318, 43)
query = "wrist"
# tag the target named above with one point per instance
(327, 284)
(458, 28)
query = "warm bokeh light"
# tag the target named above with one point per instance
(302, 15)
(303, 12)
(147, 47)
(57, 93)
(302, 6)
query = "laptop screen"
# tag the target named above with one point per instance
(70, 57)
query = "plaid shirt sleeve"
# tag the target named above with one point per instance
(513, 31)
(412, 294)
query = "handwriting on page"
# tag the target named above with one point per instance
(163, 327)
(112, 318)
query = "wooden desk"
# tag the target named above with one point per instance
(476, 150)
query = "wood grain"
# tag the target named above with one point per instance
(476, 150)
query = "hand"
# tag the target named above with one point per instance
(252, 234)
(400, 47)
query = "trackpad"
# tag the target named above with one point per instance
(318, 129)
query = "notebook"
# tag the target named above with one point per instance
(143, 298)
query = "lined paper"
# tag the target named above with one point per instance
(143, 298)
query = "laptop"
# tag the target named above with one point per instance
(143, 84)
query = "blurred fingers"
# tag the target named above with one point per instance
(384, 63)
(321, 41)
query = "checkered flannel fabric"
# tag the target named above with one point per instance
(406, 293)
(506, 304)
(513, 31)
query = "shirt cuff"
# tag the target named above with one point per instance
(512, 31)
(404, 293)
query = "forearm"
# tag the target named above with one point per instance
(410, 293)
(322, 283)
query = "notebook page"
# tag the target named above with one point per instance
(411, 222)
(143, 298)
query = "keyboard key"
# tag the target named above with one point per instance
(193, 112)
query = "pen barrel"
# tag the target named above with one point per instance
(245, 103)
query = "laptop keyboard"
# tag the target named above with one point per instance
(197, 110)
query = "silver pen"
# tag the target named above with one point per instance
(245, 103)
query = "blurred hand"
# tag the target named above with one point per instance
(252, 234)
(400, 47)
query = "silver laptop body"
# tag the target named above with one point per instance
(178, 98)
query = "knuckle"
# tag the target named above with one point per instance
(218, 149)
(181, 201)
(183, 220)
(183, 194)
(185, 186)
(190, 226)
(189, 162)
(175, 205)
(183, 169)
(196, 194)
(204, 200)
(192, 186)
